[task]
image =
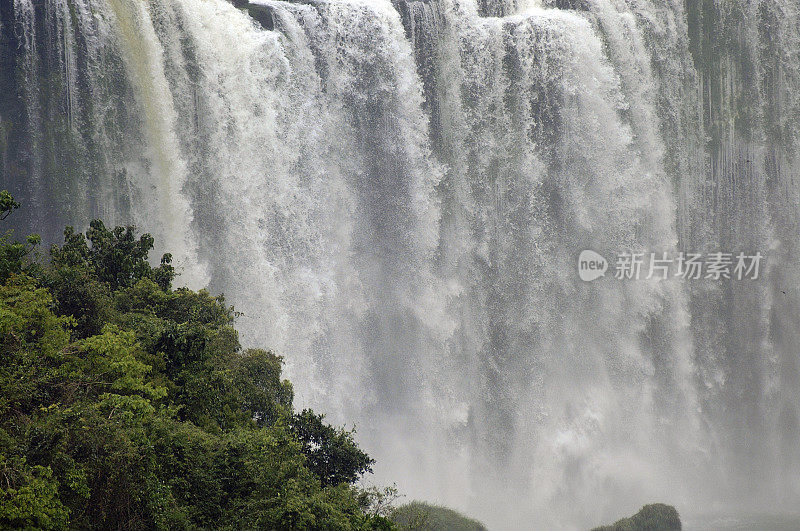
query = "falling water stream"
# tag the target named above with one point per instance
(394, 194)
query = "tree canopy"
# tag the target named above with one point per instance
(127, 404)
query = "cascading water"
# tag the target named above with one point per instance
(395, 193)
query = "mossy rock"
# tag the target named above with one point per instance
(655, 517)
(420, 516)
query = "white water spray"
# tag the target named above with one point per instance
(394, 194)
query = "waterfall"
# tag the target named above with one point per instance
(394, 195)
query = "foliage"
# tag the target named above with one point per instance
(7, 204)
(379, 501)
(655, 517)
(420, 516)
(115, 257)
(127, 404)
(29, 497)
(332, 453)
(13, 254)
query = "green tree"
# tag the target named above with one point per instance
(116, 257)
(7, 204)
(14, 256)
(654, 517)
(29, 497)
(126, 404)
(332, 453)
